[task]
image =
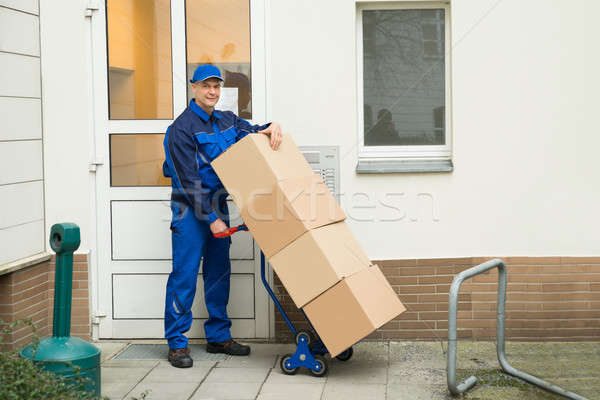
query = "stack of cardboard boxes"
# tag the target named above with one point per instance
(301, 229)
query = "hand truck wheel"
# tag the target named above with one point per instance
(345, 355)
(309, 337)
(286, 365)
(322, 367)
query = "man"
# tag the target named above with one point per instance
(198, 201)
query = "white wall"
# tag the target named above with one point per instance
(65, 115)
(21, 172)
(525, 139)
(523, 106)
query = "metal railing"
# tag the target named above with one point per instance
(457, 389)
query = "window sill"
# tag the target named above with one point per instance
(24, 263)
(390, 166)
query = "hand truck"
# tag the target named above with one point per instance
(310, 350)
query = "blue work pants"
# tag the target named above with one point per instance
(192, 240)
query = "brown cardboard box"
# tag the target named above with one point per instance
(353, 308)
(299, 226)
(317, 260)
(294, 206)
(279, 196)
(250, 166)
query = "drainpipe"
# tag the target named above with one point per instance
(91, 9)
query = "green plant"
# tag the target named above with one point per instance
(22, 379)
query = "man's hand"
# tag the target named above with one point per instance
(274, 132)
(218, 226)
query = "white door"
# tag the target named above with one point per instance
(143, 51)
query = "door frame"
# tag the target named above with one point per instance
(101, 290)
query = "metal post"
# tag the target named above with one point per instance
(62, 354)
(500, 317)
(62, 295)
(64, 241)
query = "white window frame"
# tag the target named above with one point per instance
(423, 153)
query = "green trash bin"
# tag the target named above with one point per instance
(61, 353)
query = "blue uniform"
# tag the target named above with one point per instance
(199, 198)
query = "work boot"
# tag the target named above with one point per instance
(180, 358)
(230, 347)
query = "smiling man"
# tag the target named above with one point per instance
(198, 202)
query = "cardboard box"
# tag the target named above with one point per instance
(317, 260)
(353, 308)
(250, 166)
(299, 226)
(277, 192)
(293, 207)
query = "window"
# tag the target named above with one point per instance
(140, 78)
(403, 70)
(218, 32)
(137, 159)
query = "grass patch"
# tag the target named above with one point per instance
(495, 378)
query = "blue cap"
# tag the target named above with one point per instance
(205, 71)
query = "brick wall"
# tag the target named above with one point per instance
(548, 298)
(24, 294)
(29, 293)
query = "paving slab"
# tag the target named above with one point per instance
(197, 363)
(166, 373)
(355, 391)
(116, 390)
(134, 374)
(252, 361)
(378, 370)
(227, 391)
(422, 354)
(239, 375)
(302, 376)
(160, 351)
(370, 351)
(368, 373)
(291, 391)
(164, 390)
(130, 363)
(109, 349)
(270, 349)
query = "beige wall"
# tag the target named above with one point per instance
(21, 172)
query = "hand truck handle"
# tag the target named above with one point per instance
(231, 231)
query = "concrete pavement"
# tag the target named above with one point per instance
(378, 370)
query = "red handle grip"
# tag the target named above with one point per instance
(231, 231)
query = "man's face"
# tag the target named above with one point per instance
(207, 92)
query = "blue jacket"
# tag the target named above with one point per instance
(191, 143)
